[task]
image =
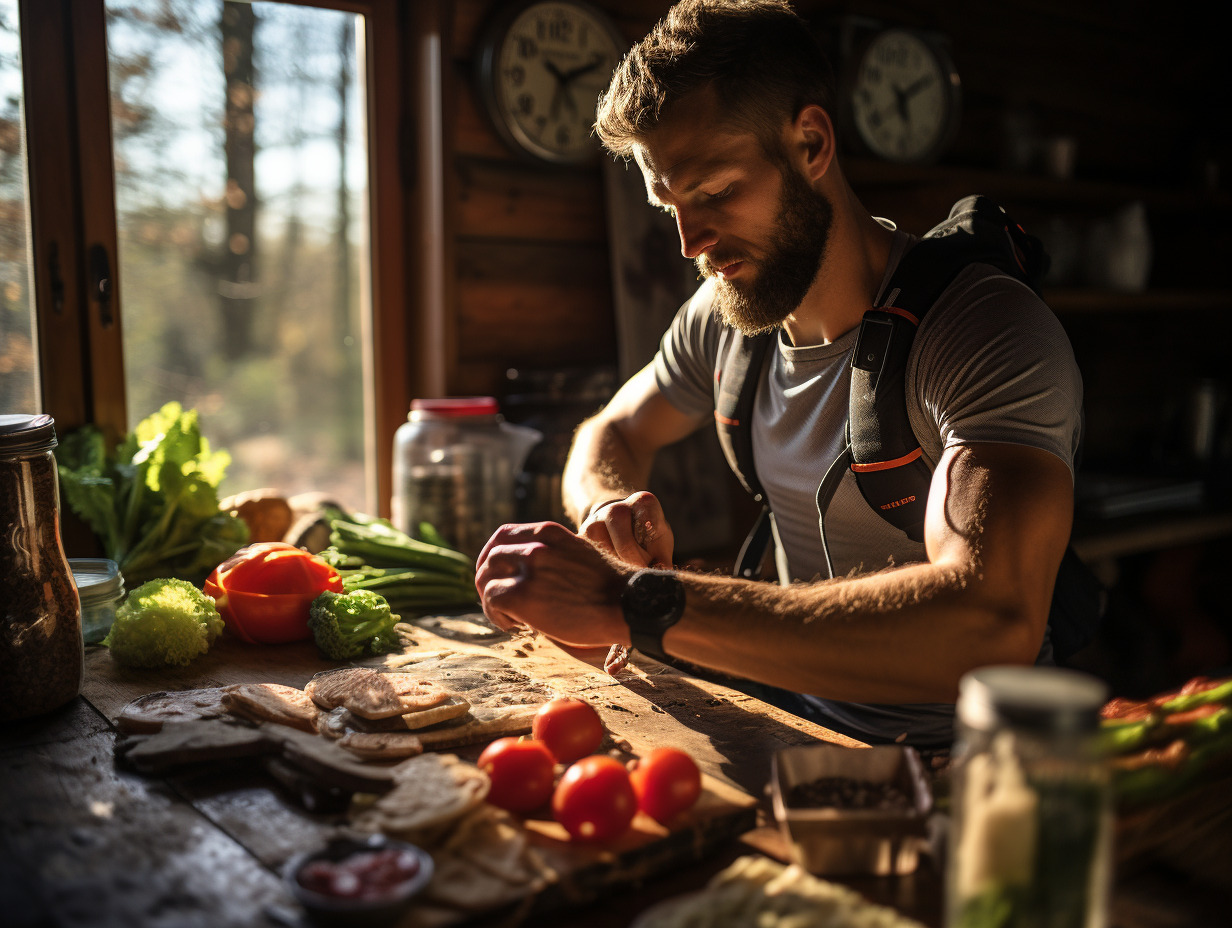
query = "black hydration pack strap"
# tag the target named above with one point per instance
(886, 458)
(735, 390)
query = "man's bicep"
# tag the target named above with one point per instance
(1002, 513)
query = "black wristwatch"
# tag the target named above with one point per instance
(652, 602)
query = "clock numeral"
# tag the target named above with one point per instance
(516, 75)
(526, 104)
(556, 29)
(562, 135)
(527, 47)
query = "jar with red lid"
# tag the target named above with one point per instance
(454, 468)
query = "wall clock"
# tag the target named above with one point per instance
(903, 96)
(541, 67)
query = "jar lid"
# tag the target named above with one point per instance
(456, 407)
(23, 434)
(1038, 698)
(98, 579)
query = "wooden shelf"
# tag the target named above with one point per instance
(1092, 300)
(1101, 540)
(1017, 187)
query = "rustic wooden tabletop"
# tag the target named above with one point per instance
(87, 842)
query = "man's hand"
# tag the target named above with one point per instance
(633, 529)
(545, 577)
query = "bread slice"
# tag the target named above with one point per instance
(374, 694)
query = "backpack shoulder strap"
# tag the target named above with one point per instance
(886, 457)
(735, 390)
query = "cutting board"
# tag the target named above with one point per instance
(505, 683)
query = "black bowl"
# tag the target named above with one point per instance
(342, 911)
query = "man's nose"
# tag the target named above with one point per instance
(696, 234)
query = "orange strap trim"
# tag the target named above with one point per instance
(901, 312)
(734, 423)
(886, 465)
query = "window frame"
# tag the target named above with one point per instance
(73, 210)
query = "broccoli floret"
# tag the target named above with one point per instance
(346, 625)
(164, 621)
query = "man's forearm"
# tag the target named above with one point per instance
(902, 635)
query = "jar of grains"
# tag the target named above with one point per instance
(42, 656)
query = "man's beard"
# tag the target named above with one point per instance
(789, 267)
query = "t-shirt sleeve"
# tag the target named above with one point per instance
(994, 364)
(685, 362)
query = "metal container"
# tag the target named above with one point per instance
(838, 839)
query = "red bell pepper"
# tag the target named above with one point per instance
(264, 590)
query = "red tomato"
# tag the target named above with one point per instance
(263, 591)
(666, 782)
(570, 727)
(594, 799)
(522, 773)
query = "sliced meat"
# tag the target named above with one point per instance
(381, 745)
(193, 742)
(272, 702)
(373, 694)
(150, 712)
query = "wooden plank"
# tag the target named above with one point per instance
(517, 323)
(495, 200)
(85, 844)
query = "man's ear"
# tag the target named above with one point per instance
(814, 140)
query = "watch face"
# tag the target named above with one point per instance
(905, 98)
(549, 68)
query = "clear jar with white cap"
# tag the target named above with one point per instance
(1030, 839)
(100, 586)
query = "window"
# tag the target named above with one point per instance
(18, 365)
(211, 210)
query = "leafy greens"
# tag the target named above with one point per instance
(153, 503)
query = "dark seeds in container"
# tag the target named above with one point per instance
(848, 793)
(41, 651)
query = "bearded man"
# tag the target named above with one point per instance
(728, 110)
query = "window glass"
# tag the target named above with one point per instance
(19, 390)
(241, 188)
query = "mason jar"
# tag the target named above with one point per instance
(42, 656)
(1031, 826)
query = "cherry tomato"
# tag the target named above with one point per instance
(594, 799)
(570, 727)
(666, 782)
(263, 591)
(522, 772)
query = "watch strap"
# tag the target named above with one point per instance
(652, 602)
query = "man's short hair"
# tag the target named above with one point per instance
(761, 58)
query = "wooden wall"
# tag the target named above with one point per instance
(1131, 82)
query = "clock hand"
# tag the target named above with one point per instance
(900, 103)
(555, 71)
(919, 85)
(572, 75)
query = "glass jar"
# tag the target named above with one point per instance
(100, 586)
(1030, 841)
(454, 466)
(42, 657)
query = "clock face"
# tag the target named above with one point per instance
(905, 98)
(546, 73)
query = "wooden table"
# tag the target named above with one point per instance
(85, 842)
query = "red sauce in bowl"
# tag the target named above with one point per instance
(363, 876)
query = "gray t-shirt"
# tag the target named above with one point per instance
(990, 363)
